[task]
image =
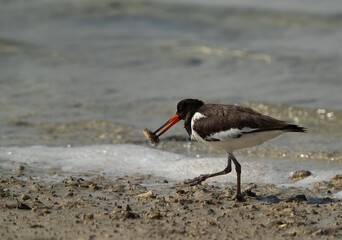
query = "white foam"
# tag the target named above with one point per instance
(116, 160)
(338, 195)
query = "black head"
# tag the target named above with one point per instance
(187, 106)
(185, 109)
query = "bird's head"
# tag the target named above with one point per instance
(188, 106)
(184, 108)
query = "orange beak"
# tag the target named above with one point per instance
(172, 121)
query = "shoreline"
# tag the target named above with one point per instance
(97, 207)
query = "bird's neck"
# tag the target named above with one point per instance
(187, 122)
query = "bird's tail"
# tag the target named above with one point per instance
(294, 128)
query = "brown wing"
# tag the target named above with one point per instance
(221, 118)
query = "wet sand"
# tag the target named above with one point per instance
(146, 207)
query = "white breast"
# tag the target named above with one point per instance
(194, 135)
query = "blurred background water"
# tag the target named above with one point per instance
(81, 73)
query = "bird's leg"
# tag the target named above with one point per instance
(238, 176)
(203, 177)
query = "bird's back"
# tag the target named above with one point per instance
(234, 127)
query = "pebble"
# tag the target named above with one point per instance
(46, 211)
(69, 194)
(337, 180)
(300, 174)
(154, 215)
(20, 167)
(24, 206)
(25, 197)
(298, 198)
(148, 194)
(131, 215)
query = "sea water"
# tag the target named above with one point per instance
(80, 79)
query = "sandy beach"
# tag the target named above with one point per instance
(146, 207)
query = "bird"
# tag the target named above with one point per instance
(226, 127)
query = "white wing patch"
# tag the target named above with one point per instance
(195, 117)
(231, 133)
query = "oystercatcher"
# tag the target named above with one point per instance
(226, 127)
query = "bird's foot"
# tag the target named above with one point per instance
(197, 180)
(239, 197)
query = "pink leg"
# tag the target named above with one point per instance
(203, 177)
